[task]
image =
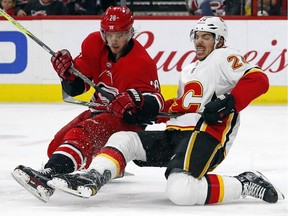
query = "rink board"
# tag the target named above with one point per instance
(53, 93)
(26, 74)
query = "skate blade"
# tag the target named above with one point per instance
(280, 194)
(124, 174)
(23, 179)
(82, 192)
(128, 174)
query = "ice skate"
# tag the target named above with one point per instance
(34, 181)
(255, 184)
(81, 184)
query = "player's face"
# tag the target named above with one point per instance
(117, 41)
(7, 4)
(204, 44)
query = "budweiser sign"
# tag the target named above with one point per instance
(273, 61)
(261, 42)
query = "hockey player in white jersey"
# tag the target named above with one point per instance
(212, 92)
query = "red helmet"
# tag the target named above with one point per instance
(117, 19)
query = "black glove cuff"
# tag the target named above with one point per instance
(137, 97)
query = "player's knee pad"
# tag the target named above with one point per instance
(184, 189)
(129, 144)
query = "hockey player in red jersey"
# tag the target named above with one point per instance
(211, 94)
(120, 66)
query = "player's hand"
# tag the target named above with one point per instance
(126, 103)
(61, 62)
(168, 103)
(215, 111)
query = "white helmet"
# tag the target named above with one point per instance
(215, 25)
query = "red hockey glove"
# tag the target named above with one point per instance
(215, 111)
(166, 108)
(61, 62)
(127, 101)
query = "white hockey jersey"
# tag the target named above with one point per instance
(203, 81)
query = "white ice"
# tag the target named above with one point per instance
(26, 129)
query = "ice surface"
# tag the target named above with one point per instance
(26, 129)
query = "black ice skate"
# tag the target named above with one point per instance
(81, 184)
(255, 184)
(34, 181)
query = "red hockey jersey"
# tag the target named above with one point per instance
(135, 69)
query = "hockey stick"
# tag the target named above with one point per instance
(68, 99)
(49, 50)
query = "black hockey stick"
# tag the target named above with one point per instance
(49, 50)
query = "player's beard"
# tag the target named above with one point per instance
(117, 50)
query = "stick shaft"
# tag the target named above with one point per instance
(25, 31)
(69, 99)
